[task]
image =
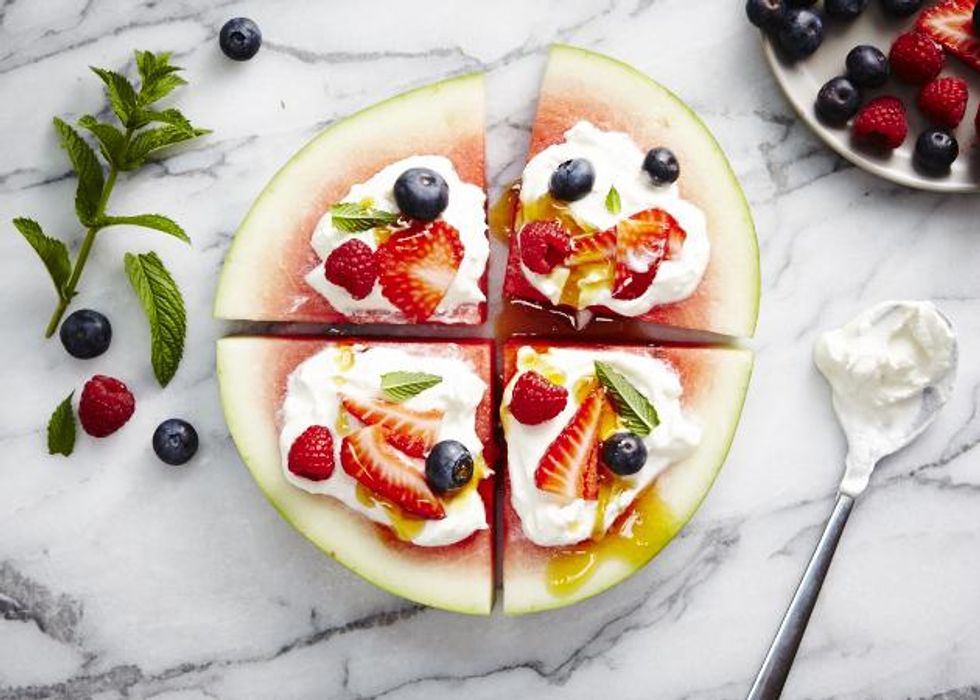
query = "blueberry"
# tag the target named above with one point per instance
(661, 165)
(421, 194)
(572, 180)
(801, 3)
(838, 101)
(935, 151)
(901, 8)
(867, 66)
(240, 38)
(766, 14)
(624, 453)
(801, 33)
(86, 334)
(175, 441)
(449, 466)
(844, 9)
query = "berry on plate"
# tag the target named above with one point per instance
(935, 151)
(662, 166)
(572, 180)
(86, 334)
(915, 58)
(867, 66)
(642, 242)
(412, 431)
(311, 454)
(800, 33)
(882, 123)
(943, 101)
(838, 101)
(569, 467)
(844, 9)
(535, 399)
(765, 14)
(417, 265)
(950, 23)
(353, 266)
(105, 406)
(544, 246)
(449, 466)
(421, 194)
(624, 453)
(901, 8)
(240, 38)
(367, 456)
(175, 441)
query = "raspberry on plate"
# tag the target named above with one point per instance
(535, 399)
(105, 406)
(943, 101)
(311, 454)
(915, 58)
(353, 266)
(882, 123)
(544, 246)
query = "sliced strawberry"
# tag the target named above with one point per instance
(950, 24)
(367, 456)
(594, 247)
(417, 265)
(569, 467)
(641, 245)
(411, 431)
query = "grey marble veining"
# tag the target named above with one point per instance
(122, 578)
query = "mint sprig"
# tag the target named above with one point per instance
(401, 386)
(634, 409)
(613, 202)
(164, 307)
(142, 132)
(354, 217)
(61, 429)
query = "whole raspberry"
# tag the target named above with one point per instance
(105, 406)
(311, 454)
(535, 400)
(544, 245)
(352, 266)
(943, 101)
(915, 58)
(881, 123)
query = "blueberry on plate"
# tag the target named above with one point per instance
(240, 38)
(766, 14)
(935, 151)
(175, 441)
(801, 3)
(449, 466)
(624, 453)
(86, 334)
(801, 33)
(844, 9)
(662, 166)
(421, 194)
(572, 180)
(838, 100)
(867, 66)
(901, 8)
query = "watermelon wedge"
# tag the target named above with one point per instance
(264, 274)
(581, 85)
(714, 382)
(252, 376)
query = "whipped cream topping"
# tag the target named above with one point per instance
(618, 162)
(465, 212)
(547, 520)
(878, 366)
(312, 398)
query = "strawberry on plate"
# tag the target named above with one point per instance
(367, 456)
(569, 467)
(593, 247)
(411, 431)
(950, 24)
(643, 241)
(417, 265)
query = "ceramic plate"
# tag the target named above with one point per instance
(802, 80)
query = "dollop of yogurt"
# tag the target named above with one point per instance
(545, 519)
(618, 162)
(879, 365)
(313, 398)
(465, 212)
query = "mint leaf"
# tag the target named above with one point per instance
(53, 253)
(159, 88)
(151, 140)
(164, 307)
(167, 116)
(401, 386)
(157, 222)
(112, 141)
(61, 429)
(613, 203)
(636, 412)
(353, 217)
(122, 95)
(157, 76)
(88, 195)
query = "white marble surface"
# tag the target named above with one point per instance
(120, 577)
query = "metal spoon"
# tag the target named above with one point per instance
(769, 682)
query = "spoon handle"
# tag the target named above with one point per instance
(769, 682)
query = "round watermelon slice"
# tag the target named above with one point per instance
(263, 278)
(252, 374)
(583, 85)
(715, 381)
